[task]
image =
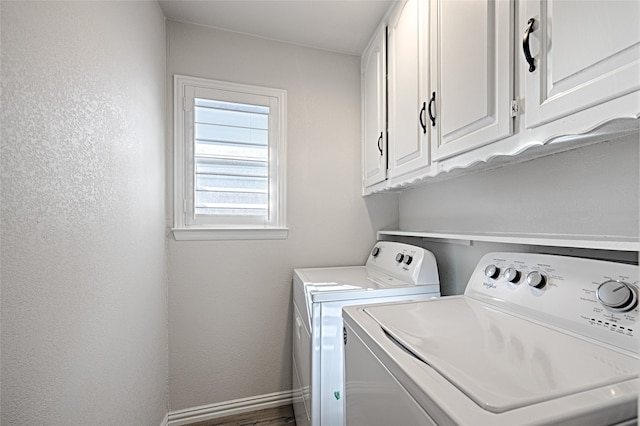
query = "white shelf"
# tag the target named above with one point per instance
(598, 242)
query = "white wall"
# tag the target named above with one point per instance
(84, 309)
(229, 302)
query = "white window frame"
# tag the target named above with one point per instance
(185, 226)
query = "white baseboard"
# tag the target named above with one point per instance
(228, 408)
(165, 421)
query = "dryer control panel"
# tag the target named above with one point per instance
(593, 298)
(405, 262)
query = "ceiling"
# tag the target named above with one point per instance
(343, 26)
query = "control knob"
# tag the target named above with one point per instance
(617, 295)
(399, 257)
(375, 252)
(492, 271)
(536, 279)
(408, 259)
(512, 275)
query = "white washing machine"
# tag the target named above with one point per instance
(393, 272)
(534, 340)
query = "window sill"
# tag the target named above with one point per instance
(215, 234)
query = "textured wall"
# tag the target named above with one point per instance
(84, 322)
(229, 301)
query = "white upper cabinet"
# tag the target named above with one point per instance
(408, 77)
(472, 74)
(476, 83)
(374, 104)
(585, 53)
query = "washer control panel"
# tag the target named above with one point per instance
(408, 263)
(594, 298)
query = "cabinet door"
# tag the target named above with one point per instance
(472, 73)
(585, 53)
(408, 138)
(374, 102)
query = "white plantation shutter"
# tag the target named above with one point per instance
(231, 159)
(232, 155)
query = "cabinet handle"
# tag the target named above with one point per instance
(422, 124)
(525, 45)
(431, 116)
(380, 144)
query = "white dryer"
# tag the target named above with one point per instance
(393, 272)
(535, 340)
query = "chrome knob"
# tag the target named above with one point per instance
(492, 271)
(512, 275)
(375, 252)
(616, 295)
(408, 259)
(399, 257)
(536, 279)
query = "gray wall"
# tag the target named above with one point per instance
(589, 191)
(230, 301)
(84, 294)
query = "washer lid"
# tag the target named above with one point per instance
(500, 361)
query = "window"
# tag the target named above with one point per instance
(229, 165)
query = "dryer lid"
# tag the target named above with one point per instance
(350, 278)
(355, 282)
(498, 360)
